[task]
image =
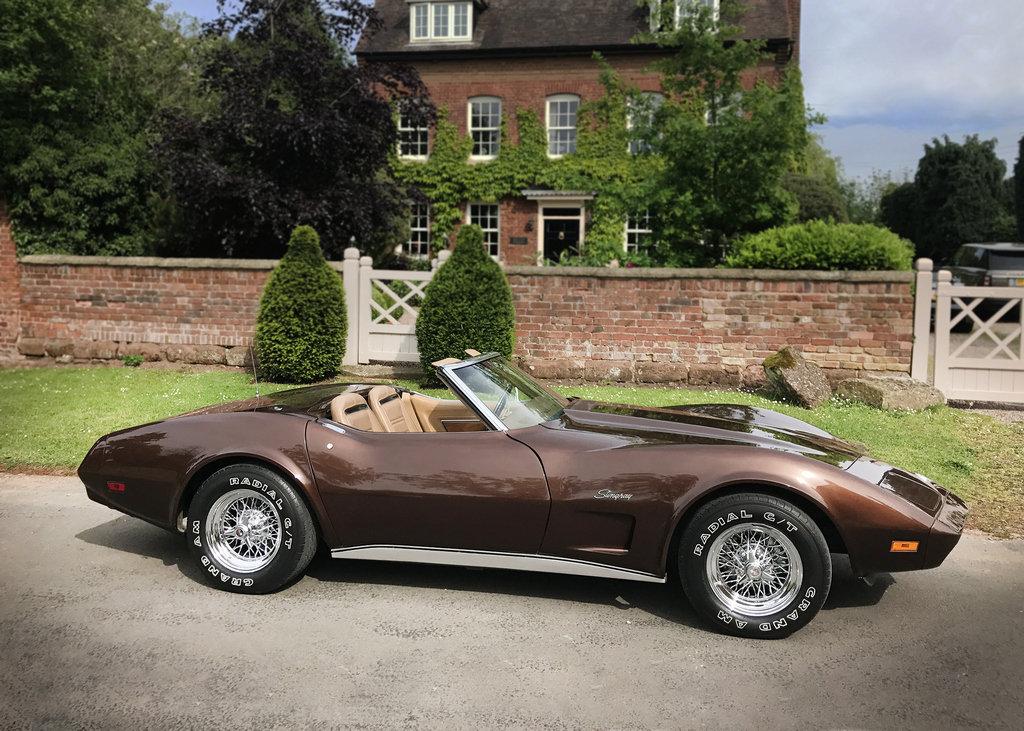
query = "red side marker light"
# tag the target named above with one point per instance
(115, 486)
(904, 547)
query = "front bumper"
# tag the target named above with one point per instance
(921, 512)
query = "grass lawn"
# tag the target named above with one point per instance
(49, 417)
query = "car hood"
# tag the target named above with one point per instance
(711, 424)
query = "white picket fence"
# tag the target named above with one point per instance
(382, 309)
(985, 364)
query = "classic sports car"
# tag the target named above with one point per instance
(745, 504)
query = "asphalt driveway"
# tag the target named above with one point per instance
(104, 623)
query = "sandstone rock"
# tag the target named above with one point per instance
(616, 371)
(559, 368)
(793, 378)
(150, 352)
(891, 393)
(65, 359)
(239, 356)
(95, 350)
(197, 354)
(708, 375)
(32, 346)
(58, 348)
(662, 372)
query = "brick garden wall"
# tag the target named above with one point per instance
(696, 326)
(10, 288)
(708, 326)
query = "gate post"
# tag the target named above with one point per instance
(350, 280)
(365, 312)
(942, 320)
(922, 319)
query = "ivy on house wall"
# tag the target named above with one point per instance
(602, 164)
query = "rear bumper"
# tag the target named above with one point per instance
(946, 530)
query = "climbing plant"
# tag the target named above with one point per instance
(602, 164)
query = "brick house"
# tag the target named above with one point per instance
(484, 59)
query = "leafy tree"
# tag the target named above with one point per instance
(468, 304)
(727, 146)
(1018, 180)
(80, 82)
(957, 197)
(301, 133)
(864, 197)
(899, 210)
(816, 199)
(302, 323)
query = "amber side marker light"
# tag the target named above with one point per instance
(904, 547)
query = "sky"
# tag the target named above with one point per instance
(891, 75)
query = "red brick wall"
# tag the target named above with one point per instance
(703, 328)
(10, 287)
(697, 326)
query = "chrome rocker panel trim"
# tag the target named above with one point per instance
(493, 560)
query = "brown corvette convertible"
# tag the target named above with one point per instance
(745, 504)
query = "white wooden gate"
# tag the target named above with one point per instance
(382, 309)
(986, 363)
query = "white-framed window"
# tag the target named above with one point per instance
(680, 10)
(413, 137)
(639, 232)
(418, 245)
(488, 217)
(440, 21)
(562, 117)
(640, 114)
(485, 126)
(720, 107)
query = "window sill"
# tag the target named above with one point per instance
(416, 158)
(477, 159)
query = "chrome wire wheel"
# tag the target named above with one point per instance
(754, 569)
(243, 531)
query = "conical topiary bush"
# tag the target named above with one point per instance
(301, 326)
(468, 304)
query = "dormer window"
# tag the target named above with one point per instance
(678, 10)
(440, 21)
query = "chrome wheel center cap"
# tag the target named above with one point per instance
(755, 571)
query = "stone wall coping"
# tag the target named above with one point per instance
(774, 275)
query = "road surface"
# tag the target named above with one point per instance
(105, 623)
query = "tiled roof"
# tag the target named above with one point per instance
(518, 25)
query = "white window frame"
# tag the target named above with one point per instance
(434, 11)
(637, 225)
(638, 147)
(404, 128)
(681, 9)
(496, 129)
(492, 235)
(418, 213)
(556, 99)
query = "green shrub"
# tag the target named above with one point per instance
(468, 304)
(301, 326)
(823, 246)
(132, 360)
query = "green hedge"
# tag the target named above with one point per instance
(468, 304)
(301, 326)
(823, 246)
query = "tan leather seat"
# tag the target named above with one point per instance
(351, 409)
(393, 411)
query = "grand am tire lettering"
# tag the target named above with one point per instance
(777, 518)
(285, 557)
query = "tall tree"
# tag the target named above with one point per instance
(727, 143)
(957, 197)
(80, 82)
(302, 134)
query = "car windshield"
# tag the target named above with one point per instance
(1006, 260)
(513, 397)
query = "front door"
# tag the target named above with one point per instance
(480, 491)
(561, 235)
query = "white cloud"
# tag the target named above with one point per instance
(892, 74)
